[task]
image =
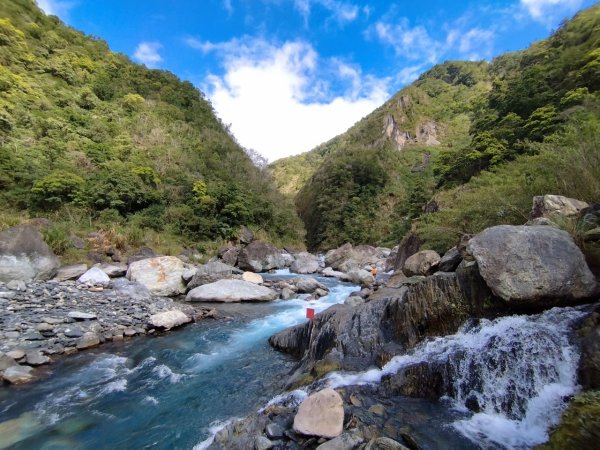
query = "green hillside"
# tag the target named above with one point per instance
(465, 146)
(90, 138)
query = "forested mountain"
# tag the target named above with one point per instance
(465, 146)
(87, 135)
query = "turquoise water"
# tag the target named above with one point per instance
(161, 392)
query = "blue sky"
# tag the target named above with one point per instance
(287, 75)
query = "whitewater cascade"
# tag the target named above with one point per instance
(518, 370)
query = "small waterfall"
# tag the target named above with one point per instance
(517, 371)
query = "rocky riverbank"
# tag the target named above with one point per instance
(41, 321)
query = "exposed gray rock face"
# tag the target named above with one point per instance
(228, 291)
(305, 263)
(393, 320)
(450, 260)
(321, 414)
(409, 245)
(169, 319)
(70, 272)
(211, 272)
(162, 276)
(421, 263)
(555, 207)
(124, 288)
(532, 265)
(25, 256)
(260, 256)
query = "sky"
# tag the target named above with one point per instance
(288, 75)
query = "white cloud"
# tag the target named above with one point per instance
(342, 12)
(56, 7)
(147, 53)
(546, 11)
(416, 43)
(409, 42)
(285, 99)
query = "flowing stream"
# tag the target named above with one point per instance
(173, 391)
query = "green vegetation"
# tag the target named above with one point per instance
(85, 132)
(580, 424)
(526, 124)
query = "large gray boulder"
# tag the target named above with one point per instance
(211, 272)
(260, 256)
(347, 257)
(161, 276)
(94, 277)
(25, 256)
(421, 263)
(305, 263)
(532, 265)
(555, 207)
(321, 414)
(230, 291)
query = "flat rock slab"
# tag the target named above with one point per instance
(321, 414)
(529, 264)
(18, 374)
(230, 291)
(70, 272)
(78, 315)
(169, 319)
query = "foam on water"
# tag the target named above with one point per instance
(214, 428)
(519, 369)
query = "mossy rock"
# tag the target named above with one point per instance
(579, 426)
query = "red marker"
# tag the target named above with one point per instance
(310, 313)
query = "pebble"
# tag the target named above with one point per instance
(78, 315)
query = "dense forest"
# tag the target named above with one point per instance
(91, 140)
(464, 147)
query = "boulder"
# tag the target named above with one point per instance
(532, 265)
(421, 263)
(252, 277)
(70, 272)
(361, 276)
(229, 255)
(211, 272)
(18, 374)
(113, 270)
(320, 414)
(25, 256)
(162, 276)
(6, 361)
(329, 272)
(169, 319)
(384, 443)
(88, 340)
(450, 260)
(409, 245)
(347, 257)
(345, 441)
(94, 277)
(246, 236)
(260, 256)
(307, 285)
(555, 207)
(228, 291)
(305, 263)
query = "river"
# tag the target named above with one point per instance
(172, 391)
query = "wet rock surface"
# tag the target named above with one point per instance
(48, 319)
